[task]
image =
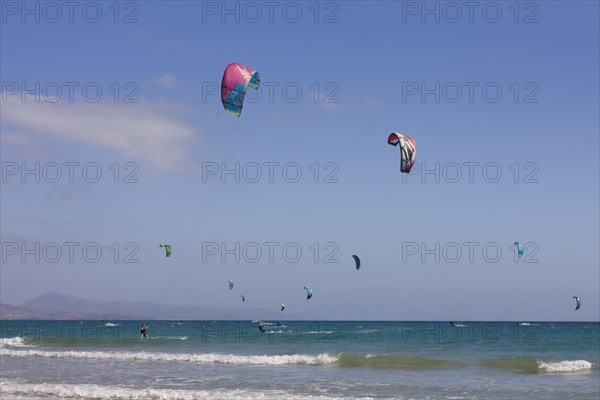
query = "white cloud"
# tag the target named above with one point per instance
(67, 192)
(142, 130)
(373, 103)
(24, 143)
(167, 80)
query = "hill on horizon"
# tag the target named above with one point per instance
(54, 305)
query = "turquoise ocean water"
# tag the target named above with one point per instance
(299, 360)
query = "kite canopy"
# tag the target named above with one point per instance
(243, 298)
(236, 80)
(230, 285)
(408, 150)
(167, 249)
(282, 307)
(309, 293)
(519, 248)
(357, 261)
(578, 300)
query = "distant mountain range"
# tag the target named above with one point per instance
(61, 306)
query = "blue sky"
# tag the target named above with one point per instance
(365, 59)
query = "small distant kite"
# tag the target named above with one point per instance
(578, 300)
(236, 80)
(282, 307)
(309, 293)
(520, 248)
(167, 249)
(356, 261)
(408, 150)
(243, 298)
(230, 285)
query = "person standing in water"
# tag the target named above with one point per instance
(144, 331)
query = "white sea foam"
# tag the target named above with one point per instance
(565, 366)
(171, 337)
(14, 341)
(178, 357)
(368, 331)
(113, 392)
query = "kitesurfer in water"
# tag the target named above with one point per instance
(261, 326)
(144, 331)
